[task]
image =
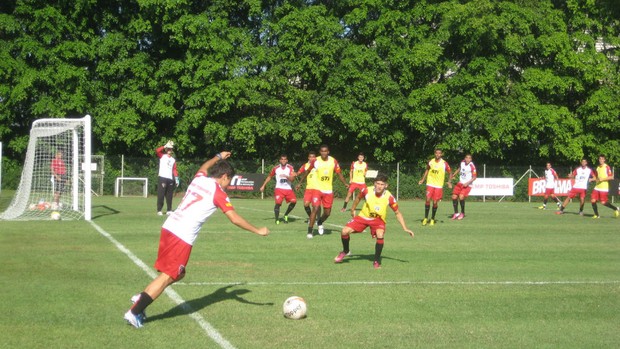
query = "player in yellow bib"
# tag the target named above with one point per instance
(435, 176)
(601, 190)
(373, 215)
(357, 178)
(325, 166)
(311, 182)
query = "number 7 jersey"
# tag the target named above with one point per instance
(204, 195)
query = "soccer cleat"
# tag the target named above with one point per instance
(159, 213)
(340, 257)
(343, 209)
(425, 221)
(376, 265)
(285, 221)
(134, 299)
(432, 222)
(559, 212)
(596, 217)
(134, 320)
(581, 213)
(461, 216)
(277, 221)
(543, 207)
(617, 212)
(455, 216)
(168, 213)
(321, 231)
(309, 236)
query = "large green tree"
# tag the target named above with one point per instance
(512, 81)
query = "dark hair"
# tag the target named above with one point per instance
(324, 146)
(602, 156)
(312, 152)
(221, 168)
(362, 154)
(283, 156)
(381, 177)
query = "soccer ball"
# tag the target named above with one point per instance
(55, 215)
(294, 308)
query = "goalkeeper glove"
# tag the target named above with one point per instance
(169, 145)
(176, 181)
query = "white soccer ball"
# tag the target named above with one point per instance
(55, 215)
(294, 308)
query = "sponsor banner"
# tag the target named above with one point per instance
(492, 187)
(537, 186)
(246, 182)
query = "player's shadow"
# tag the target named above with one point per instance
(103, 210)
(194, 305)
(370, 257)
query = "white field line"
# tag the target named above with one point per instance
(406, 282)
(370, 283)
(204, 324)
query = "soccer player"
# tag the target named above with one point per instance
(168, 177)
(582, 175)
(373, 215)
(461, 190)
(311, 183)
(435, 176)
(284, 174)
(601, 190)
(550, 177)
(357, 178)
(205, 194)
(325, 166)
(59, 177)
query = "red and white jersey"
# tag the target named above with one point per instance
(550, 176)
(468, 171)
(582, 175)
(281, 175)
(204, 195)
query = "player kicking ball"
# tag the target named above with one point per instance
(373, 215)
(204, 196)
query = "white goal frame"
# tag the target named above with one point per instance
(118, 187)
(79, 171)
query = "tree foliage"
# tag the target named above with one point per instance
(518, 81)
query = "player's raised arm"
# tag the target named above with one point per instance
(219, 156)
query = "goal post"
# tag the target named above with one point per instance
(56, 176)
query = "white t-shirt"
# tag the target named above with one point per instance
(581, 177)
(550, 175)
(467, 171)
(204, 195)
(281, 175)
(166, 166)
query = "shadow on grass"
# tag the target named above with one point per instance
(194, 305)
(370, 258)
(102, 211)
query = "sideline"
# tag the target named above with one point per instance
(367, 283)
(204, 324)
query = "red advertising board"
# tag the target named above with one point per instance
(537, 186)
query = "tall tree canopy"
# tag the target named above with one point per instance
(513, 81)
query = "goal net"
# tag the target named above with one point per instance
(57, 172)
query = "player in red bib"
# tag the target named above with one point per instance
(550, 178)
(284, 175)
(204, 196)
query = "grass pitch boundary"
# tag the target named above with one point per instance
(173, 295)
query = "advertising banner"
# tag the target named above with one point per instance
(246, 182)
(492, 187)
(537, 186)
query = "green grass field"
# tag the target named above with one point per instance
(508, 275)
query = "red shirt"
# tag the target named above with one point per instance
(58, 167)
